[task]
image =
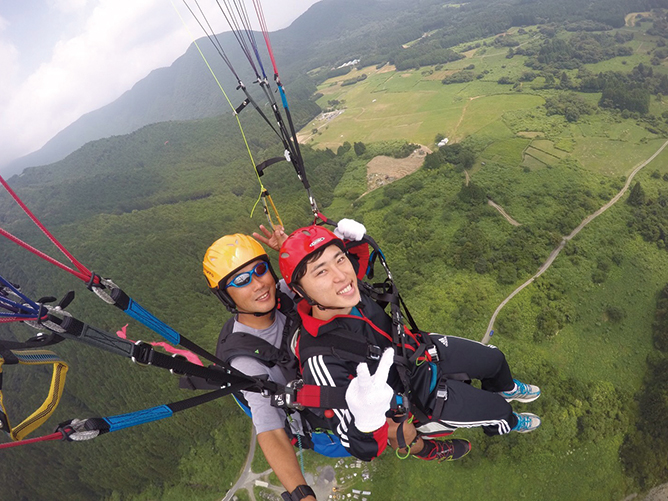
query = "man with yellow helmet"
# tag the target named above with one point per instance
(255, 341)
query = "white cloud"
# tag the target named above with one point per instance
(67, 6)
(119, 43)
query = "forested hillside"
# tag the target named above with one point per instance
(548, 107)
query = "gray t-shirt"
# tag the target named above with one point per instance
(265, 417)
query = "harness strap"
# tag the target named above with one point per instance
(122, 421)
(345, 349)
(441, 397)
(145, 354)
(323, 397)
(37, 418)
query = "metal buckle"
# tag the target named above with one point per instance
(433, 353)
(175, 372)
(141, 353)
(287, 400)
(373, 352)
(442, 391)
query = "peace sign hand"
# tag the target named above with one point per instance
(369, 397)
(273, 239)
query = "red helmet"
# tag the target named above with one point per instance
(300, 245)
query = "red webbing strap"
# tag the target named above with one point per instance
(322, 397)
(54, 436)
(81, 271)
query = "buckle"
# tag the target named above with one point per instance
(174, 371)
(141, 353)
(433, 353)
(403, 404)
(287, 400)
(373, 352)
(442, 390)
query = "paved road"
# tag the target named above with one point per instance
(566, 239)
(247, 477)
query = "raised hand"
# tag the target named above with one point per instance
(349, 229)
(369, 397)
(273, 239)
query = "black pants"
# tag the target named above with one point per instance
(467, 406)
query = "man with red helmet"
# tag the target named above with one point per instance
(343, 333)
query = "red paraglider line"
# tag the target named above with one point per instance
(83, 273)
(54, 436)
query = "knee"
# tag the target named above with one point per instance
(496, 356)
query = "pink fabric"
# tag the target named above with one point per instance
(190, 356)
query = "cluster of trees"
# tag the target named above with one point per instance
(581, 48)
(424, 55)
(462, 76)
(622, 96)
(660, 326)
(650, 217)
(462, 157)
(659, 24)
(519, 255)
(569, 105)
(352, 81)
(646, 467)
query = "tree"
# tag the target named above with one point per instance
(359, 148)
(344, 148)
(637, 196)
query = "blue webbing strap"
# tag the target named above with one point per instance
(130, 419)
(139, 313)
(123, 421)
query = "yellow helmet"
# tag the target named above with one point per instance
(227, 255)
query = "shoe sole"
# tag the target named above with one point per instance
(523, 399)
(431, 436)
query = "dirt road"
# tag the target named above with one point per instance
(502, 212)
(566, 239)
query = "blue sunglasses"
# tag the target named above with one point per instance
(243, 279)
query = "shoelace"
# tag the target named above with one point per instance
(522, 388)
(443, 454)
(523, 422)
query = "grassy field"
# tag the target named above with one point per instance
(414, 105)
(529, 162)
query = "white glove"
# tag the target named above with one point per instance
(369, 397)
(347, 229)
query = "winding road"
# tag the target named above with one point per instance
(248, 478)
(566, 239)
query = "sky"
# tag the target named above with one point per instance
(60, 59)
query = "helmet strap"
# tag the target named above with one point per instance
(312, 302)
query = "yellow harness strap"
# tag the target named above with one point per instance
(37, 418)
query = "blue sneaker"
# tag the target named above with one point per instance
(526, 422)
(522, 392)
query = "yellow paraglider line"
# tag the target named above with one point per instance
(264, 194)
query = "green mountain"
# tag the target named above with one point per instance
(330, 33)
